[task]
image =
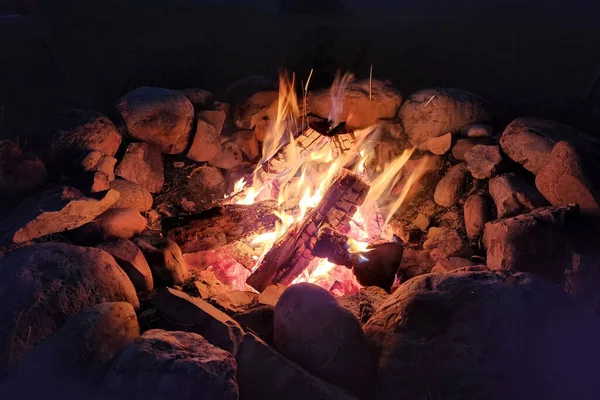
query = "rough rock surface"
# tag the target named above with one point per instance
(248, 144)
(430, 113)
(206, 143)
(161, 365)
(513, 195)
(55, 210)
(452, 186)
(235, 301)
(477, 212)
(332, 346)
(483, 161)
(364, 302)
(451, 264)
(132, 261)
(535, 242)
(244, 114)
(94, 171)
(265, 374)
(208, 285)
(228, 157)
(214, 117)
(165, 259)
(158, 116)
(43, 285)
(271, 294)
(355, 107)
(122, 223)
(462, 146)
(71, 363)
(445, 242)
(482, 335)
(143, 165)
(571, 176)
(195, 315)
(529, 141)
(440, 144)
(80, 131)
(132, 195)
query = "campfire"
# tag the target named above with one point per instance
(298, 243)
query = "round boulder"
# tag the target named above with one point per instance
(431, 113)
(71, 363)
(483, 335)
(132, 195)
(43, 285)
(165, 365)
(315, 331)
(158, 116)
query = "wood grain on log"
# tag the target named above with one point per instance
(220, 225)
(292, 252)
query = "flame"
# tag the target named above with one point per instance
(299, 186)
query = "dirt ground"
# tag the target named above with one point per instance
(87, 54)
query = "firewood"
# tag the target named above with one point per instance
(292, 252)
(220, 225)
(333, 246)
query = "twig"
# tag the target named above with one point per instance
(429, 101)
(304, 98)
(370, 82)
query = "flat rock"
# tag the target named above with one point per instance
(271, 294)
(78, 132)
(71, 363)
(513, 195)
(132, 261)
(162, 364)
(132, 195)
(206, 143)
(332, 345)
(482, 335)
(43, 285)
(208, 285)
(535, 242)
(56, 210)
(570, 175)
(235, 301)
(529, 141)
(265, 374)
(143, 165)
(452, 186)
(483, 161)
(364, 302)
(158, 116)
(195, 315)
(431, 113)
(477, 212)
(165, 259)
(361, 104)
(439, 144)
(445, 242)
(228, 157)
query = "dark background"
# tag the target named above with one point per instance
(533, 59)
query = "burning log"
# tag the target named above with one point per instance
(377, 266)
(292, 252)
(220, 225)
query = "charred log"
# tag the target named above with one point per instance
(220, 225)
(292, 253)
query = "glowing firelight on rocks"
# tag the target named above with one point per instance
(299, 186)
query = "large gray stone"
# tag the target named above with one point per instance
(43, 285)
(166, 365)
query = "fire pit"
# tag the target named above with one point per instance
(290, 243)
